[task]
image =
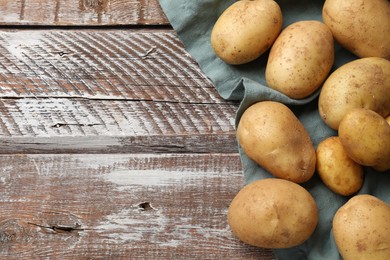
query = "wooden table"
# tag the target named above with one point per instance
(114, 145)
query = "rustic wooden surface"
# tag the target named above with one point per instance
(81, 12)
(114, 145)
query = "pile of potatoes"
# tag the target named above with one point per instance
(354, 100)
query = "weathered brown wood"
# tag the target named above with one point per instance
(107, 91)
(166, 206)
(101, 64)
(81, 12)
(77, 125)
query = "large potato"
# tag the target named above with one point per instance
(362, 83)
(273, 213)
(245, 30)
(300, 59)
(365, 136)
(361, 228)
(271, 135)
(336, 169)
(361, 26)
(384, 166)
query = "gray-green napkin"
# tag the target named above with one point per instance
(193, 21)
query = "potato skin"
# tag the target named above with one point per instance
(365, 136)
(273, 213)
(300, 59)
(245, 30)
(384, 166)
(362, 83)
(362, 27)
(361, 228)
(339, 173)
(271, 135)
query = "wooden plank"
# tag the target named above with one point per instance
(145, 206)
(62, 117)
(81, 12)
(80, 125)
(101, 64)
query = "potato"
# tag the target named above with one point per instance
(271, 135)
(245, 30)
(339, 173)
(365, 136)
(362, 83)
(273, 213)
(362, 27)
(361, 228)
(384, 166)
(300, 59)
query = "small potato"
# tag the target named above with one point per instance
(245, 30)
(362, 83)
(339, 173)
(300, 59)
(361, 228)
(271, 135)
(273, 213)
(365, 136)
(362, 27)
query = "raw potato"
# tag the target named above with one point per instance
(385, 165)
(271, 135)
(365, 136)
(362, 83)
(300, 59)
(361, 26)
(273, 213)
(361, 228)
(339, 172)
(245, 30)
(382, 167)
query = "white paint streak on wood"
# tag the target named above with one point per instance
(40, 117)
(124, 226)
(17, 41)
(154, 177)
(61, 143)
(129, 228)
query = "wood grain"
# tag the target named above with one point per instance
(101, 64)
(112, 126)
(145, 206)
(81, 12)
(107, 91)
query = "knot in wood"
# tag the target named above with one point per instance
(11, 230)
